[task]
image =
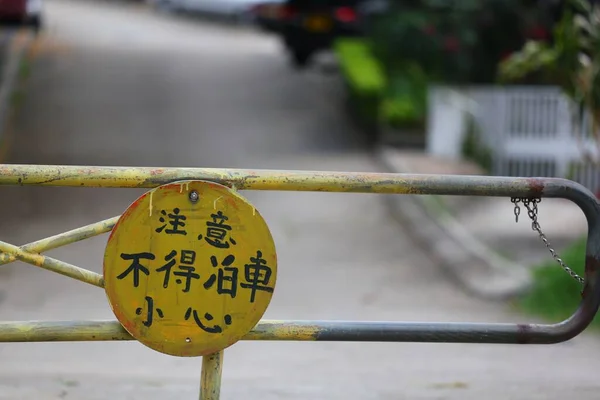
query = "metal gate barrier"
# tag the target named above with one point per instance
(185, 207)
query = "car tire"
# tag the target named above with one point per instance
(300, 58)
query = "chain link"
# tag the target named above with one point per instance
(532, 211)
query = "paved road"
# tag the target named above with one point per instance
(118, 86)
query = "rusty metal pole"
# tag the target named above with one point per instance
(210, 382)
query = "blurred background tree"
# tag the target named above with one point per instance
(571, 60)
(455, 41)
(416, 43)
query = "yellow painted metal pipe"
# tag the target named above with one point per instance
(62, 331)
(81, 331)
(210, 382)
(147, 177)
(295, 330)
(64, 238)
(53, 265)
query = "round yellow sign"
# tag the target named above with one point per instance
(190, 268)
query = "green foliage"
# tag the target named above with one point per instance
(454, 42)
(572, 61)
(555, 64)
(408, 37)
(404, 105)
(417, 43)
(365, 79)
(359, 67)
(401, 113)
(395, 99)
(535, 57)
(555, 295)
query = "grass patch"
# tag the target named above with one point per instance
(554, 294)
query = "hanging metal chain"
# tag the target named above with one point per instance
(532, 210)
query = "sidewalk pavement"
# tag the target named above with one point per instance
(477, 239)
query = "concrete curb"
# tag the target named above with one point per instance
(15, 52)
(473, 265)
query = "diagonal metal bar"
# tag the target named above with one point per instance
(53, 265)
(63, 239)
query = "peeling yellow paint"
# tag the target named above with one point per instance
(186, 185)
(357, 182)
(150, 203)
(282, 330)
(210, 382)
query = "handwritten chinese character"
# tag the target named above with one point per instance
(187, 270)
(216, 231)
(149, 311)
(222, 279)
(135, 267)
(175, 220)
(257, 274)
(208, 317)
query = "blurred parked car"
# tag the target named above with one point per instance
(21, 13)
(236, 10)
(308, 26)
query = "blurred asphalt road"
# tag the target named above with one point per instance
(118, 85)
